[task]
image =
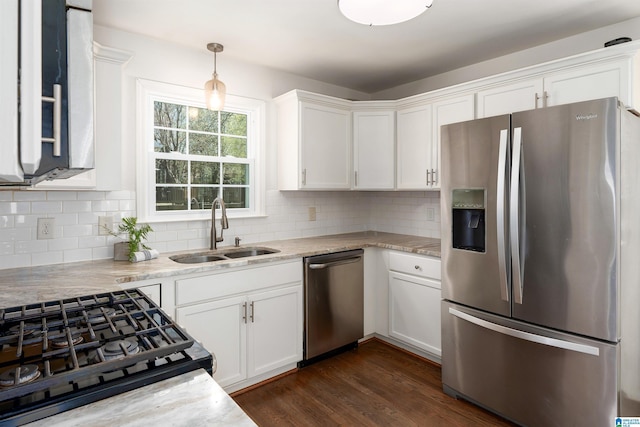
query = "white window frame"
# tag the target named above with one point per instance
(149, 91)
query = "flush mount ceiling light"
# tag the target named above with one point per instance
(382, 12)
(214, 89)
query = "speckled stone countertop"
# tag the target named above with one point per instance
(193, 399)
(29, 285)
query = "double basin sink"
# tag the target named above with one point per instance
(222, 255)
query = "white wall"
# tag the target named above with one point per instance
(580, 43)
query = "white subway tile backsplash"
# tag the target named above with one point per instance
(77, 206)
(75, 255)
(30, 246)
(63, 243)
(76, 214)
(29, 195)
(46, 207)
(46, 258)
(14, 208)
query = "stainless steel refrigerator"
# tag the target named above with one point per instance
(541, 264)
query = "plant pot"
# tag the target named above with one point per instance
(121, 251)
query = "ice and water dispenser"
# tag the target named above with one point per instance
(468, 206)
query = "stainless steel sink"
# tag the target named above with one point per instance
(247, 252)
(222, 255)
(197, 258)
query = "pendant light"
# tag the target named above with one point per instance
(214, 89)
(382, 12)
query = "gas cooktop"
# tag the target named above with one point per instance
(59, 355)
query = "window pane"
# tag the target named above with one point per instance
(233, 123)
(171, 198)
(235, 173)
(205, 173)
(169, 115)
(171, 171)
(236, 197)
(168, 141)
(234, 147)
(202, 197)
(203, 119)
(203, 144)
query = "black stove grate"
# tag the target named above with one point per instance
(72, 342)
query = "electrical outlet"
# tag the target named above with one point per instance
(431, 214)
(46, 228)
(312, 213)
(105, 225)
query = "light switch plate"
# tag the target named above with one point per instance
(431, 214)
(46, 228)
(312, 213)
(105, 224)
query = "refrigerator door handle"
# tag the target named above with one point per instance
(514, 213)
(501, 213)
(527, 336)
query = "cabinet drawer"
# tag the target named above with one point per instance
(415, 265)
(225, 283)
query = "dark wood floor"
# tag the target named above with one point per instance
(375, 385)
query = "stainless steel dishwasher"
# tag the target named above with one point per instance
(334, 303)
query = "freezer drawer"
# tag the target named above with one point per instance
(530, 375)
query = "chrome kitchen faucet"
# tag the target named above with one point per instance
(224, 222)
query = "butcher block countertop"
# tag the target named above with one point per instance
(29, 285)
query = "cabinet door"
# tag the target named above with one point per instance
(414, 311)
(445, 112)
(509, 98)
(373, 148)
(275, 329)
(153, 292)
(220, 326)
(325, 138)
(414, 134)
(588, 82)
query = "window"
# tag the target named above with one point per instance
(193, 155)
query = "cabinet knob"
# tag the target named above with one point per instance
(417, 267)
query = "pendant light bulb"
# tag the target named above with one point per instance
(214, 90)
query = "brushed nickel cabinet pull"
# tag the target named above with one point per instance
(56, 100)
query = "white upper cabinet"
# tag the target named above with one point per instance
(555, 86)
(414, 147)
(374, 150)
(418, 166)
(447, 111)
(314, 142)
(509, 98)
(591, 81)
(316, 151)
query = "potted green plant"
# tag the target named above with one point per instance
(136, 234)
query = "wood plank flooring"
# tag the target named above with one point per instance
(374, 385)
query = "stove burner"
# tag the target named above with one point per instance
(26, 374)
(63, 341)
(97, 315)
(28, 330)
(113, 350)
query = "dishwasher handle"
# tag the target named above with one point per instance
(334, 263)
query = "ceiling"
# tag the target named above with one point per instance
(311, 38)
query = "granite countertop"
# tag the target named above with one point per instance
(46, 283)
(193, 399)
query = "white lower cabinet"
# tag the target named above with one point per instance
(250, 319)
(220, 327)
(414, 301)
